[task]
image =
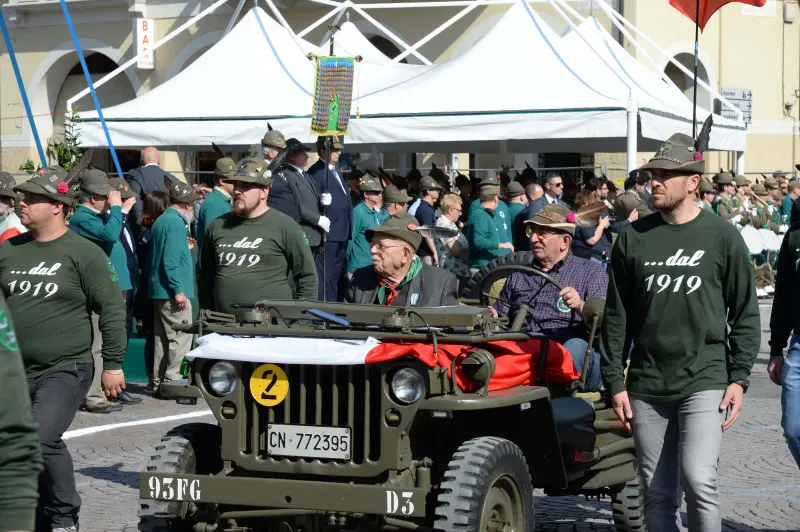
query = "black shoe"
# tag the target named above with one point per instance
(127, 399)
(101, 408)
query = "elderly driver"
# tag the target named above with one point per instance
(554, 313)
(397, 276)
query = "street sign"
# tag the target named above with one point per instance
(742, 105)
(737, 94)
(727, 112)
(145, 38)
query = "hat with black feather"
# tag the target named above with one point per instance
(681, 152)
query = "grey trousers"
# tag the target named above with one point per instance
(96, 394)
(171, 346)
(679, 441)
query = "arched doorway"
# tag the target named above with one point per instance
(685, 82)
(116, 91)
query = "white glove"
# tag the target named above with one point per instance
(746, 204)
(324, 223)
(783, 228)
(325, 198)
(754, 211)
(736, 219)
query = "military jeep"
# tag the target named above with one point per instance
(389, 445)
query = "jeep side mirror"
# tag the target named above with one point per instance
(593, 308)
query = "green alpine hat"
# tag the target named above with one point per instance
(489, 179)
(515, 189)
(401, 226)
(95, 181)
(759, 189)
(793, 185)
(706, 186)
(179, 192)
(273, 138)
(336, 143)
(370, 183)
(392, 194)
(251, 171)
(7, 184)
(740, 180)
(225, 167)
(119, 184)
(780, 173)
(771, 183)
(554, 216)
(59, 171)
(677, 153)
(50, 186)
(429, 183)
(724, 178)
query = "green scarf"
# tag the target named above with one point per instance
(413, 271)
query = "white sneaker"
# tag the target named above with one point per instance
(769, 289)
(760, 292)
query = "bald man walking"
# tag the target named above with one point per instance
(145, 179)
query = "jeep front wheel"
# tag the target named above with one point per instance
(486, 488)
(188, 449)
(627, 504)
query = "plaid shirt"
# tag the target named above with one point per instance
(549, 314)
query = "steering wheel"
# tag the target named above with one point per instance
(500, 272)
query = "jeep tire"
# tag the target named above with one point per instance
(486, 488)
(627, 504)
(193, 448)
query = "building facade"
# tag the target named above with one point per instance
(744, 51)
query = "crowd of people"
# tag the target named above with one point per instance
(86, 262)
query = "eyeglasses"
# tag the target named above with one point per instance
(540, 233)
(239, 186)
(380, 246)
(557, 184)
(31, 199)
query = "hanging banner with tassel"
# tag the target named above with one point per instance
(333, 95)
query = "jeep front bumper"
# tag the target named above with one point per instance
(281, 493)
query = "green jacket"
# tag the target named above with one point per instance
(358, 254)
(725, 208)
(169, 261)
(215, 205)
(483, 237)
(502, 219)
(105, 231)
(513, 210)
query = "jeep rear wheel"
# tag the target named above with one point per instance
(188, 449)
(486, 488)
(628, 506)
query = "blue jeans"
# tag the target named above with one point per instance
(790, 397)
(577, 350)
(678, 442)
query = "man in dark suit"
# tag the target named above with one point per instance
(146, 179)
(336, 197)
(397, 276)
(301, 190)
(553, 186)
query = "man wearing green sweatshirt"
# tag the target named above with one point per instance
(218, 201)
(100, 218)
(20, 457)
(483, 234)
(53, 280)
(250, 253)
(171, 283)
(682, 290)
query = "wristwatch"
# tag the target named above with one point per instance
(745, 384)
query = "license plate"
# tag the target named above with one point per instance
(305, 441)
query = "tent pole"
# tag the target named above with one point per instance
(99, 109)
(696, 51)
(236, 13)
(22, 90)
(633, 133)
(740, 162)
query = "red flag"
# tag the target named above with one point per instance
(707, 8)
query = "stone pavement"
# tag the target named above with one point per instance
(760, 482)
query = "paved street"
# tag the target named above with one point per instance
(759, 480)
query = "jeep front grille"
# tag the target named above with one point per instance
(345, 396)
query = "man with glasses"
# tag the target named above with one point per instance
(553, 187)
(553, 312)
(248, 253)
(397, 276)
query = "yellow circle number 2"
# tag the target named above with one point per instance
(269, 385)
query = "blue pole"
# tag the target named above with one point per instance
(22, 91)
(91, 85)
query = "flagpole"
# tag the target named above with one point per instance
(696, 52)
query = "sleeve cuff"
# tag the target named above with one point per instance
(616, 387)
(17, 518)
(111, 364)
(738, 375)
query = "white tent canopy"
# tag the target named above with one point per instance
(535, 92)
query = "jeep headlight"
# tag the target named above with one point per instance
(407, 386)
(222, 378)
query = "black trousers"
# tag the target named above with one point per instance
(55, 397)
(334, 263)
